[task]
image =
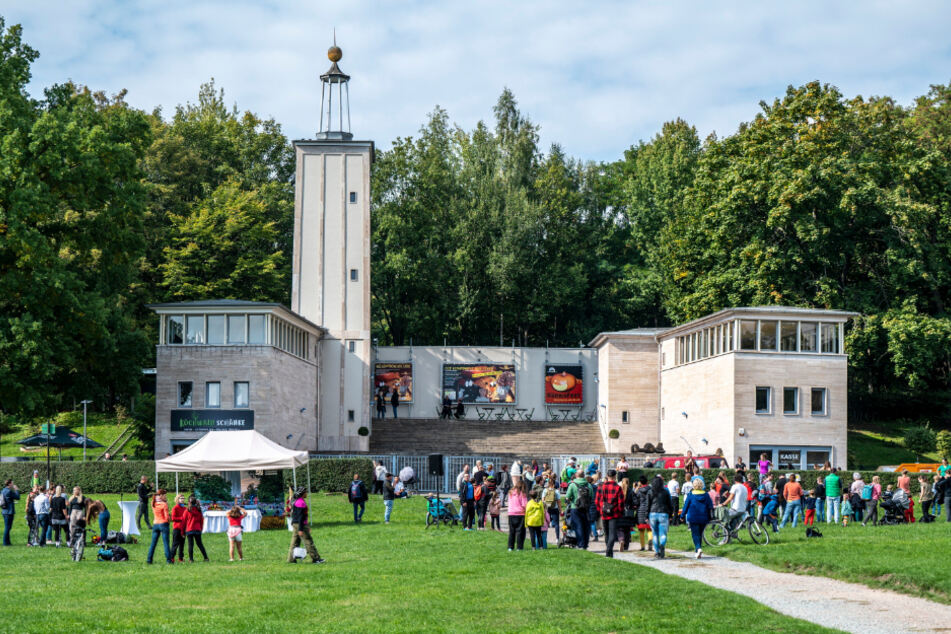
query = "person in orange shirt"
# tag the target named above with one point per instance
(904, 482)
(793, 494)
(159, 526)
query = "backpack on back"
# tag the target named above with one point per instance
(584, 496)
(550, 498)
(867, 492)
(355, 491)
(479, 492)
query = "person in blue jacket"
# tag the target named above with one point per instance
(770, 516)
(697, 510)
(10, 494)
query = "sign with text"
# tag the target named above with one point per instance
(212, 419)
(395, 375)
(479, 382)
(564, 384)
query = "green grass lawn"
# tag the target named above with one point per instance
(875, 445)
(909, 558)
(104, 431)
(387, 578)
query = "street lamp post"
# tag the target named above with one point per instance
(85, 403)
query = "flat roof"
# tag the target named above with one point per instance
(651, 333)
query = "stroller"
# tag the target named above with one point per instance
(894, 510)
(568, 539)
(441, 510)
(78, 541)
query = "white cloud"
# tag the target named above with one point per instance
(597, 76)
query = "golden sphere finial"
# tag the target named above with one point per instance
(334, 53)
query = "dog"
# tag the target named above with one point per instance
(813, 532)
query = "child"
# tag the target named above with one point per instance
(770, 512)
(495, 511)
(846, 509)
(534, 519)
(235, 516)
(810, 508)
(545, 526)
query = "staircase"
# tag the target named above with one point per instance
(464, 437)
(124, 437)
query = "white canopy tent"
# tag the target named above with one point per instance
(233, 451)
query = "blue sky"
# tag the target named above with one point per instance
(596, 76)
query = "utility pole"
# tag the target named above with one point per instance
(85, 403)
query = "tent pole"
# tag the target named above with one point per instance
(176, 484)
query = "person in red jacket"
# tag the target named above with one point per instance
(178, 528)
(610, 502)
(194, 522)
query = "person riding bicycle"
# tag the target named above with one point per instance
(736, 503)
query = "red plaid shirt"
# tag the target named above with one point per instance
(609, 493)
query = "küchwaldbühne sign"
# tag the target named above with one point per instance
(479, 382)
(564, 384)
(212, 419)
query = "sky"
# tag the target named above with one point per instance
(596, 76)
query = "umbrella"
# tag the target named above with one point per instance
(407, 475)
(64, 437)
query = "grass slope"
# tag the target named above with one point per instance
(392, 578)
(102, 430)
(876, 445)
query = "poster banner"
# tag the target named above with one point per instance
(564, 384)
(396, 375)
(479, 382)
(212, 419)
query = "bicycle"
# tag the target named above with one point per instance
(718, 533)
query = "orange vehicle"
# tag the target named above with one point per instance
(918, 467)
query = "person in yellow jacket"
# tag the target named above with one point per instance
(534, 519)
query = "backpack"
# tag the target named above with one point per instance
(584, 496)
(120, 554)
(105, 554)
(479, 492)
(355, 491)
(550, 498)
(867, 492)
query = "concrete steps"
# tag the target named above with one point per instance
(463, 437)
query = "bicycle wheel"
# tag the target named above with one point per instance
(758, 534)
(715, 534)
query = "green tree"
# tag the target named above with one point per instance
(920, 439)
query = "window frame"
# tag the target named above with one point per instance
(795, 410)
(824, 412)
(769, 400)
(191, 395)
(169, 330)
(247, 404)
(208, 386)
(244, 329)
(224, 329)
(755, 334)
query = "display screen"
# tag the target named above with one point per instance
(564, 384)
(391, 376)
(479, 383)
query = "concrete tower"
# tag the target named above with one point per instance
(331, 277)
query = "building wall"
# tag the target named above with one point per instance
(280, 385)
(705, 391)
(530, 365)
(778, 429)
(629, 373)
(332, 240)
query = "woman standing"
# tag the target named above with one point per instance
(77, 511)
(178, 528)
(194, 523)
(628, 514)
(697, 511)
(98, 507)
(926, 496)
(32, 538)
(518, 500)
(159, 526)
(235, 517)
(300, 523)
(659, 508)
(58, 516)
(643, 511)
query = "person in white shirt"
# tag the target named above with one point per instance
(516, 471)
(736, 501)
(380, 472)
(673, 487)
(41, 504)
(462, 474)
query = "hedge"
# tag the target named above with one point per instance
(333, 475)
(95, 476)
(808, 477)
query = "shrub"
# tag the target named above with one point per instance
(364, 431)
(96, 477)
(920, 439)
(808, 477)
(944, 443)
(614, 434)
(212, 488)
(332, 475)
(271, 488)
(273, 523)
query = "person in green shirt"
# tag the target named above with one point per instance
(578, 498)
(833, 496)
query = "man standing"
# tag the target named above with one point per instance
(395, 401)
(358, 497)
(467, 502)
(41, 503)
(8, 497)
(579, 498)
(389, 494)
(505, 483)
(673, 487)
(462, 474)
(143, 490)
(380, 472)
(610, 505)
(833, 486)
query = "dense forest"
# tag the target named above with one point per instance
(821, 200)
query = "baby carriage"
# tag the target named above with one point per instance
(894, 510)
(78, 541)
(441, 510)
(567, 539)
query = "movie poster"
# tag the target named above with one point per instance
(476, 383)
(394, 376)
(564, 384)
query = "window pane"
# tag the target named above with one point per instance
(256, 329)
(176, 329)
(213, 394)
(816, 459)
(807, 336)
(787, 336)
(767, 335)
(789, 459)
(235, 328)
(762, 400)
(830, 338)
(185, 394)
(196, 328)
(216, 329)
(818, 400)
(730, 336)
(747, 335)
(241, 394)
(790, 400)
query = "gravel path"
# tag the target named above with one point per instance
(841, 605)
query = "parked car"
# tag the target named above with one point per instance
(677, 462)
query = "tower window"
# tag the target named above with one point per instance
(353, 197)
(352, 346)
(354, 275)
(350, 416)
